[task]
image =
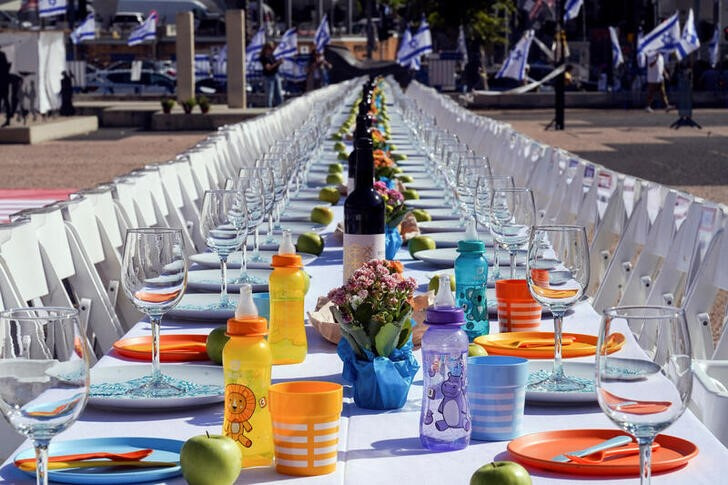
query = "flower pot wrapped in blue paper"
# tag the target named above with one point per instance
(392, 242)
(382, 382)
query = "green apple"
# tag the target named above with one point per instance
(336, 136)
(339, 147)
(419, 243)
(397, 170)
(336, 168)
(342, 156)
(421, 215)
(329, 194)
(211, 460)
(475, 350)
(405, 179)
(501, 473)
(434, 283)
(311, 243)
(399, 156)
(410, 194)
(392, 147)
(322, 215)
(334, 178)
(216, 340)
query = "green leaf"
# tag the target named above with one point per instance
(361, 337)
(363, 313)
(386, 338)
(352, 343)
(404, 335)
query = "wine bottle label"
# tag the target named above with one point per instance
(360, 248)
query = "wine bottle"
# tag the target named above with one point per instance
(362, 129)
(363, 214)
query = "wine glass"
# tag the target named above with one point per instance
(512, 213)
(220, 212)
(250, 195)
(646, 393)
(154, 278)
(557, 271)
(44, 374)
(482, 195)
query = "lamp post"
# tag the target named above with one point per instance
(560, 48)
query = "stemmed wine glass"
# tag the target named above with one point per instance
(483, 193)
(512, 214)
(650, 390)
(250, 194)
(219, 221)
(44, 374)
(557, 271)
(154, 278)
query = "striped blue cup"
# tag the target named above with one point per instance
(497, 395)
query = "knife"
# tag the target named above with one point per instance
(62, 465)
(604, 445)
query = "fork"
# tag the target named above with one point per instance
(599, 456)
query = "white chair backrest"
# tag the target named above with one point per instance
(20, 249)
(606, 236)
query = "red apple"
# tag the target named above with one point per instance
(501, 473)
(211, 460)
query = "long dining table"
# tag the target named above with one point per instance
(382, 447)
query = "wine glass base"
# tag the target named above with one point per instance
(159, 387)
(542, 381)
(246, 278)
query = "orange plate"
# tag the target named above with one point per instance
(583, 345)
(537, 450)
(140, 348)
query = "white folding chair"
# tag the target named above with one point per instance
(607, 234)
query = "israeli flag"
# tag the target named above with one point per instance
(617, 58)
(49, 8)
(664, 37)
(462, 46)
(294, 70)
(202, 65)
(252, 52)
(287, 48)
(571, 9)
(219, 67)
(641, 56)
(323, 35)
(713, 47)
(515, 65)
(403, 53)
(146, 31)
(416, 46)
(689, 41)
(85, 30)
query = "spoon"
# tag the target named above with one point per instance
(600, 456)
(131, 455)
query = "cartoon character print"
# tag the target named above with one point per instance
(453, 407)
(239, 408)
(475, 305)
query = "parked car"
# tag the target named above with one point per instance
(161, 67)
(120, 82)
(127, 20)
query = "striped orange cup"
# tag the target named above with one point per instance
(305, 418)
(517, 310)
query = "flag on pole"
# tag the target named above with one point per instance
(403, 53)
(146, 31)
(462, 46)
(50, 8)
(664, 37)
(641, 56)
(85, 30)
(515, 65)
(287, 48)
(571, 9)
(252, 52)
(689, 41)
(713, 46)
(323, 35)
(617, 58)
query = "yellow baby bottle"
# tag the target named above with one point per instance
(287, 287)
(247, 362)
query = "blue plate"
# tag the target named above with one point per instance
(164, 450)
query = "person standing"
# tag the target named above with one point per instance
(270, 74)
(5, 86)
(656, 75)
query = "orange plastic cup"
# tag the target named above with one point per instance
(517, 310)
(306, 418)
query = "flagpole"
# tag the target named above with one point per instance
(559, 100)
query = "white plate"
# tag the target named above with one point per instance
(209, 280)
(577, 369)
(306, 205)
(446, 257)
(431, 194)
(440, 226)
(450, 239)
(202, 306)
(442, 214)
(298, 228)
(427, 204)
(420, 183)
(211, 260)
(197, 374)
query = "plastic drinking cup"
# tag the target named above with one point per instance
(517, 310)
(497, 396)
(305, 418)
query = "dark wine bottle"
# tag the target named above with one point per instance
(361, 130)
(363, 214)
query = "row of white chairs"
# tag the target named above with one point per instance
(69, 253)
(649, 244)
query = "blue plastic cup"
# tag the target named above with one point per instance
(262, 301)
(497, 396)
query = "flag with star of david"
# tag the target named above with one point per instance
(663, 38)
(287, 47)
(403, 53)
(689, 41)
(49, 8)
(617, 58)
(515, 65)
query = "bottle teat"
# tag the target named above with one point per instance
(471, 233)
(444, 296)
(286, 246)
(246, 306)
